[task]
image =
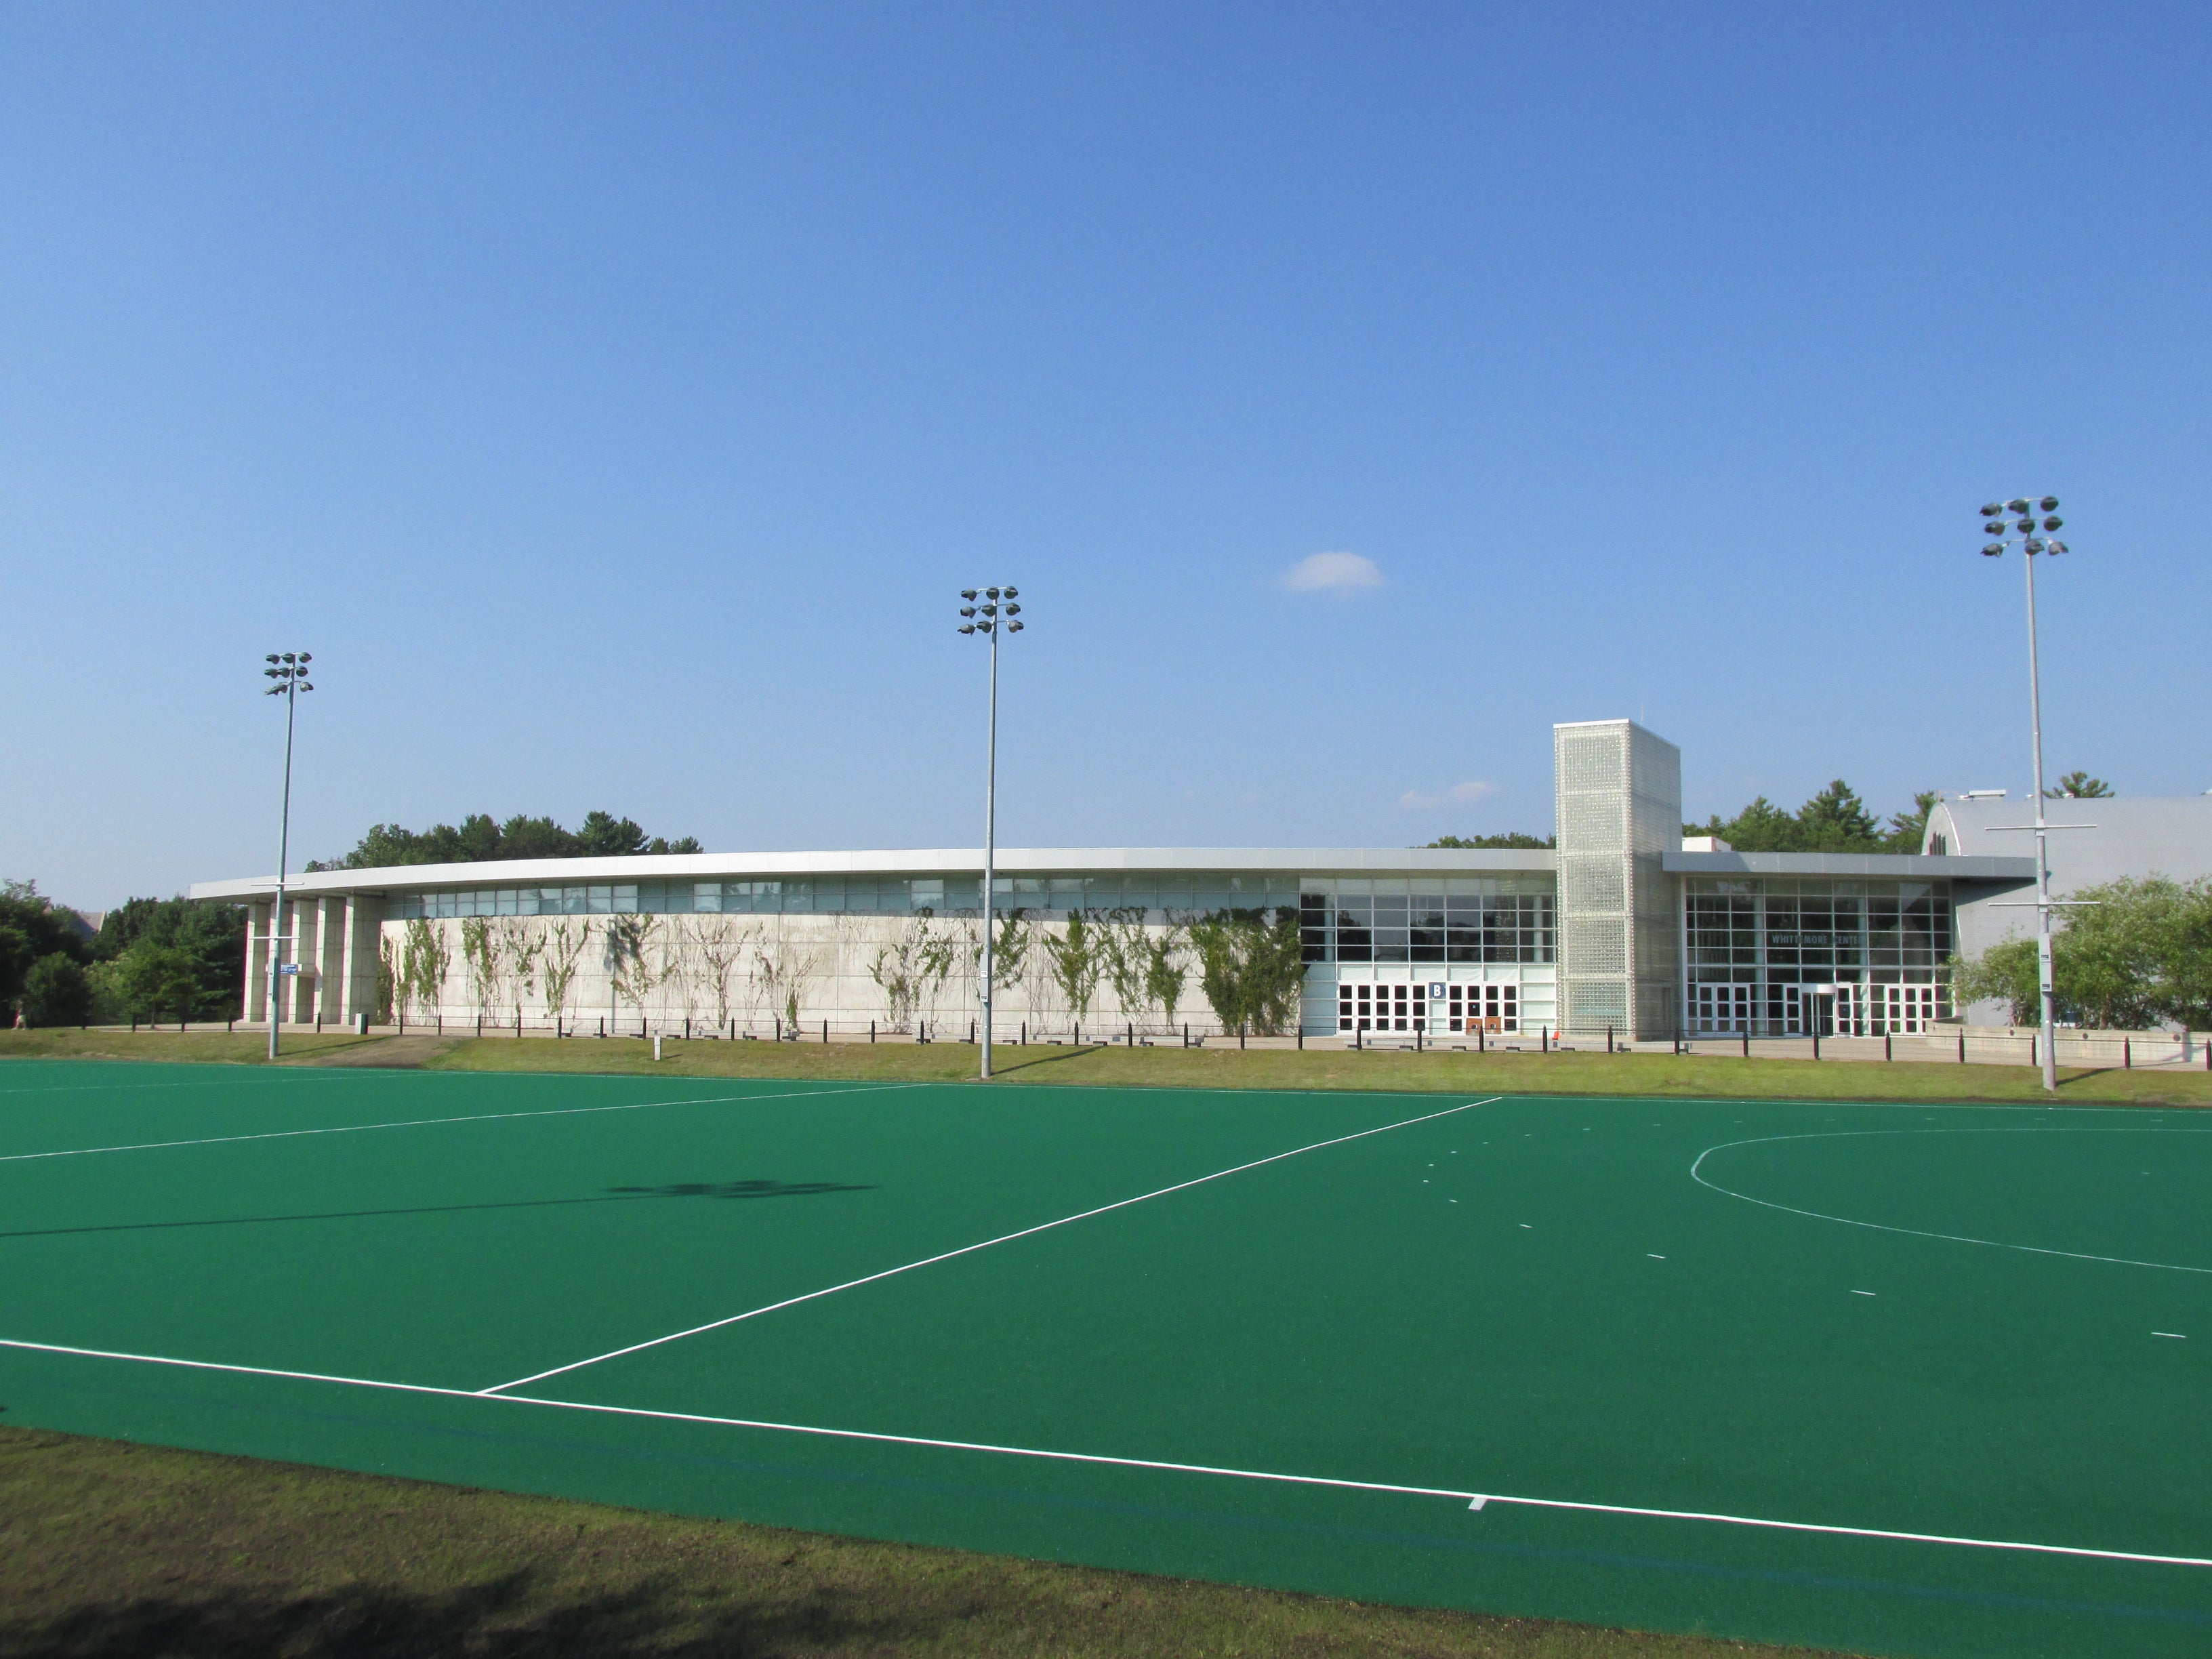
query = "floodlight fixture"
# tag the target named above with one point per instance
(2017, 504)
(967, 592)
(1994, 510)
(2049, 503)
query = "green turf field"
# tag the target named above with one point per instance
(1276, 1338)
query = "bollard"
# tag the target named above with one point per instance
(1886, 1052)
(1816, 1040)
(1543, 1039)
(971, 1033)
(1357, 1037)
(1025, 1034)
(825, 1030)
(1130, 1037)
(1078, 1034)
(1302, 1034)
(1481, 1040)
(1185, 1034)
(656, 1045)
(1747, 1042)
(1608, 1039)
(479, 1025)
(871, 1030)
(2127, 1054)
(1240, 1035)
(602, 1024)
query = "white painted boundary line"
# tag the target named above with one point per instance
(473, 1117)
(1916, 1232)
(968, 1249)
(1474, 1500)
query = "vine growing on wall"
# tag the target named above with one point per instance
(1077, 954)
(633, 962)
(422, 973)
(1251, 967)
(562, 953)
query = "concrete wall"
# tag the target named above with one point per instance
(755, 970)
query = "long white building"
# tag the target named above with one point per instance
(1625, 927)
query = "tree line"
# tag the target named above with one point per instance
(151, 959)
(481, 839)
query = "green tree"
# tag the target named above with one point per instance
(2130, 954)
(212, 935)
(1834, 821)
(32, 928)
(479, 839)
(55, 991)
(2079, 786)
(157, 981)
(1513, 839)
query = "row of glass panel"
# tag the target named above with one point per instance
(855, 894)
(1427, 927)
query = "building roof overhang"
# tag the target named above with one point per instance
(923, 861)
(1908, 866)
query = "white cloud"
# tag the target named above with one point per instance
(1460, 794)
(1332, 572)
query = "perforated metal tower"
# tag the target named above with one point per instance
(1620, 813)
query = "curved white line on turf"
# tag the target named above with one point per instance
(969, 1249)
(1918, 1232)
(432, 1122)
(1474, 1500)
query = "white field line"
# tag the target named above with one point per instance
(1474, 1500)
(431, 1122)
(1916, 1232)
(969, 1249)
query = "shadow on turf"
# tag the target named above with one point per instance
(500, 1616)
(612, 1195)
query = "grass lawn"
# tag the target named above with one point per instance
(109, 1550)
(1700, 1077)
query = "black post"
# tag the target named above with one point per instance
(825, 1030)
(971, 1033)
(1240, 1034)
(1131, 1040)
(2127, 1054)
(871, 1030)
(479, 1025)
(1962, 1045)
(1185, 1034)
(1025, 1034)
(1078, 1034)
(1544, 1039)
(1358, 1036)
(1747, 1042)
(1887, 1051)
(1608, 1039)
(1302, 1034)
(1816, 1034)
(603, 1025)
(1481, 1039)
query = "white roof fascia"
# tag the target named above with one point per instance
(1949, 866)
(1013, 860)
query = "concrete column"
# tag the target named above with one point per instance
(364, 925)
(330, 961)
(255, 1005)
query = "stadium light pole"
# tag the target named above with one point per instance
(990, 613)
(2034, 539)
(289, 672)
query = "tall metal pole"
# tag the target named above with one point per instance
(2044, 969)
(990, 845)
(283, 851)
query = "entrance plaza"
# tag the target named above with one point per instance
(1621, 930)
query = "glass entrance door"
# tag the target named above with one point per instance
(1721, 1008)
(1905, 1009)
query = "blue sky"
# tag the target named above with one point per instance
(613, 398)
